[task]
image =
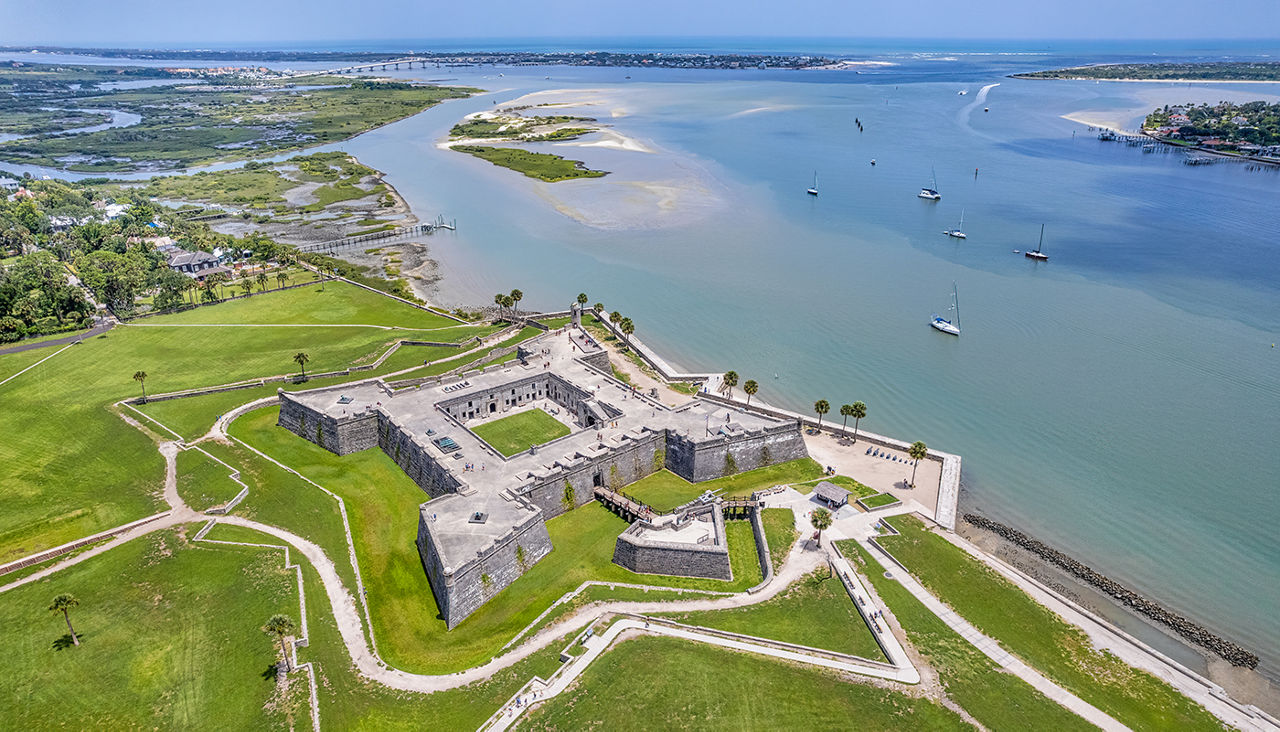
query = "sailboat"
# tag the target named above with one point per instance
(814, 190)
(931, 193)
(1036, 254)
(946, 326)
(958, 232)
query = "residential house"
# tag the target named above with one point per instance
(197, 265)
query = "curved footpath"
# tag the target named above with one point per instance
(799, 562)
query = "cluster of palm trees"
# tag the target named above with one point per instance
(730, 379)
(621, 323)
(508, 302)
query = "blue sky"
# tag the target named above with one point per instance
(179, 23)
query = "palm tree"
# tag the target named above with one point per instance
(821, 520)
(516, 297)
(582, 298)
(262, 281)
(822, 406)
(141, 378)
(497, 300)
(615, 317)
(846, 411)
(859, 410)
(508, 302)
(918, 451)
(63, 604)
(246, 288)
(280, 626)
(751, 387)
(728, 381)
(627, 328)
(302, 359)
(281, 278)
(599, 308)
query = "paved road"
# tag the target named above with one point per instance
(31, 346)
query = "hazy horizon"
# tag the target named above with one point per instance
(161, 25)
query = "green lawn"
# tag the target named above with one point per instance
(744, 484)
(664, 490)
(1062, 652)
(816, 611)
(104, 472)
(879, 500)
(650, 683)
(514, 434)
(383, 504)
(780, 534)
(170, 638)
(857, 489)
(203, 482)
(997, 699)
(542, 166)
(338, 303)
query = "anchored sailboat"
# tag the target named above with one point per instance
(814, 190)
(931, 193)
(1036, 254)
(946, 326)
(958, 232)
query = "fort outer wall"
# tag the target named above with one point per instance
(695, 460)
(648, 555)
(413, 458)
(706, 458)
(339, 435)
(460, 591)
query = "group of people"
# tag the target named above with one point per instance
(471, 467)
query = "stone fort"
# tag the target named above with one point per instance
(485, 525)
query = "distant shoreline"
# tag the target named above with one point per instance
(1147, 81)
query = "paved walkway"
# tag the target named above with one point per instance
(992, 649)
(598, 644)
(73, 338)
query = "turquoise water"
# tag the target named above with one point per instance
(1121, 401)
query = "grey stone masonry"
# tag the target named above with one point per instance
(617, 436)
(689, 544)
(492, 555)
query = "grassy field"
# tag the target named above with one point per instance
(649, 682)
(815, 611)
(202, 481)
(996, 699)
(106, 473)
(744, 484)
(779, 533)
(514, 434)
(1062, 652)
(334, 303)
(879, 500)
(541, 166)
(664, 490)
(383, 505)
(170, 638)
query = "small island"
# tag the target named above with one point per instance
(476, 133)
(1213, 71)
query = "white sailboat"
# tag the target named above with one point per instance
(943, 324)
(958, 232)
(814, 190)
(1036, 254)
(931, 193)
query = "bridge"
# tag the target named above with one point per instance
(408, 61)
